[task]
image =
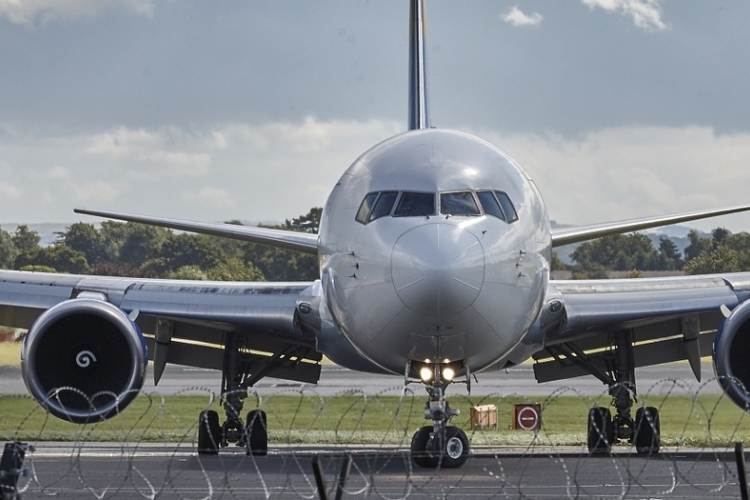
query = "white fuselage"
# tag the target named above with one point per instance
(436, 287)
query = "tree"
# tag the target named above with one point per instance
(722, 259)
(556, 264)
(669, 256)
(618, 252)
(698, 245)
(141, 243)
(8, 250)
(308, 223)
(181, 250)
(60, 257)
(235, 270)
(26, 240)
(719, 235)
(84, 238)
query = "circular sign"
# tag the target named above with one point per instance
(528, 418)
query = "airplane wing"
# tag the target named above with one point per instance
(289, 240)
(566, 236)
(183, 322)
(670, 319)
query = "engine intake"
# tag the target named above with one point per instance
(730, 353)
(84, 360)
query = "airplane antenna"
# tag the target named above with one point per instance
(419, 116)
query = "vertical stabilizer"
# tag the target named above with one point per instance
(419, 116)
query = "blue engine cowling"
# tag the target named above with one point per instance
(84, 360)
(730, 354)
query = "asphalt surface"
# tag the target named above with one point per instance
(69, 470)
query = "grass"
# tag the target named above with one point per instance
(10, 353)
(704, 421)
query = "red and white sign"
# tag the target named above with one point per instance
(528, 417)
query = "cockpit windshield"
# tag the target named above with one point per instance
(415, 205)
(458, 203)
(384, 205)
(420, 204)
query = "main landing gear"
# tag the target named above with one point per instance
(241, 370)
(251, 433)
(603, 428)
(439, 445)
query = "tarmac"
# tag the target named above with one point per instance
(106, 470)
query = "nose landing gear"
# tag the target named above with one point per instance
(439, 445)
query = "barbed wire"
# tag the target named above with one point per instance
(149, 450)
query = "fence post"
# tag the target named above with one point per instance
(739, 455)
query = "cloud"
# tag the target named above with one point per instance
(517, 17)
(210, 196)
(30, 11)
(151, 154)
(646, 14)
(277, 170)
(626, 172)
(252, 171)
(94, 191)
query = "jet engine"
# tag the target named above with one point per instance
(730, 353)
(84, 360)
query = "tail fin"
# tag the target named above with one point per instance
(419, 116)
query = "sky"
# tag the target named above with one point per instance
(252, 109)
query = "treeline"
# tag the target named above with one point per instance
(137, 250)
(723, 252)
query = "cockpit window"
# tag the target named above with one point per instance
(364, 208)
(415, 204)
(460, 203)
(510, 211)
(497, 204)
(490, 205)
(384, 205)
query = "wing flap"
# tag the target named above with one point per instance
(647, 354)
(670, 319)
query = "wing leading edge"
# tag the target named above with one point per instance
(566, 236)
(288, 240)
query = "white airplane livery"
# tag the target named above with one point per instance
(434, 251)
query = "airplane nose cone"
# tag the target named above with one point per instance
(437, 269)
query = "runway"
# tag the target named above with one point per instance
(335, 380)
(68, 471)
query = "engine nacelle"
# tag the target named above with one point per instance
(731, 351)
(84, 360)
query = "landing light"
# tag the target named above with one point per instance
(448, 373)
(425, 374)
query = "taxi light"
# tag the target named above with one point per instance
(425, 374)
(448, 373)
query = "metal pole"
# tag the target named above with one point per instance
(319, 481)
(343, 476)
(739, 455)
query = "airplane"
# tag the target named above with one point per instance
(434, 250)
